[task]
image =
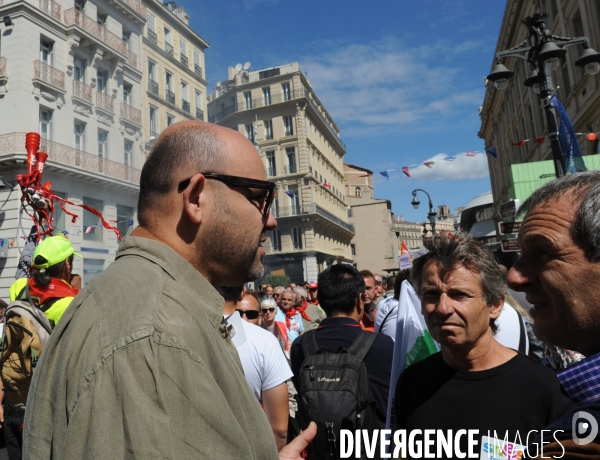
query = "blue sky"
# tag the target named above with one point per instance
(402, 79)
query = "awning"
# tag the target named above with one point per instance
(483, 229)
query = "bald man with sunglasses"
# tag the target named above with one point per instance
(143, 364)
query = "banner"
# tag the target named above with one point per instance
(568, 140)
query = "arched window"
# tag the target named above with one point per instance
(357, 191)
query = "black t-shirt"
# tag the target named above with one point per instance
(519, 395)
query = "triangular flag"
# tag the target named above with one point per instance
(470, 154)
(520, 143)
(290, 193)
(450, 158)
(130, 222)
(540, 140)
(64, 232)
(326, 184)
(385, 174)
(308, 187)
(364, 175)
(90, 229)
(344, 179)
(429, 164)
(592, 136)
(492, 151)
(406, 171)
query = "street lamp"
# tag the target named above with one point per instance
(541, 51)
(431, 214)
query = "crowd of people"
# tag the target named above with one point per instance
(167, 354)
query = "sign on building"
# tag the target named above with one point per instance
(509, 209)
(510, 227)
(510, 245)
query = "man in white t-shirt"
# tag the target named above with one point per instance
(264, 363)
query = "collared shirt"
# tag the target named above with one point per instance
(581, 381)
(137, 368)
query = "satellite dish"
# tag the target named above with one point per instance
(238, 67)
(246, 66)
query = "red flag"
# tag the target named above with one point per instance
(326, 184)
(405, 171)
(364, 175)
(470, 154)
(540, 140)
(403, 248)
(520, 143)
(592, 136)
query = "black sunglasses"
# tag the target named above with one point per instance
(236, 181)
(250, 314)
(270, 310)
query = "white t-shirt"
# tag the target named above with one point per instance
(263, 360)
(509, 330)
(389, 327)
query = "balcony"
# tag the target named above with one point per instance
(48, 74)
(169, 48)
(136, 6)
(14, 143)
(153, 86)
(289, 211)
(3, 76)
(131, 113)
(131, 59)
(199, 114)
(198, 70)
(170, 96)
(51, 8)
(152, 36)
(74, 17)
(185, 105)
(104, 101)
(82, 91)
(271, 172)
(184, 60)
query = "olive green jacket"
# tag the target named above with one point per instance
(137, 369)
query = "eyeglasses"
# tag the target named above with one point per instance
(236, 181)
(270, 310)
(250, 314)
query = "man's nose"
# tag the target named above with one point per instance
(520, 275)
(444, 306)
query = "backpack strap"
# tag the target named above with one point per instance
(387, 316)
(35, 310)
(309, 343)
(362, 344)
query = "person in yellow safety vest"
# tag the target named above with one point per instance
(51, 282)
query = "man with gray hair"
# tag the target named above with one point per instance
(312, 315)
(558, 270)
(474, 382)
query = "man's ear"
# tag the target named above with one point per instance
(496, 309)
(360, 306)
(194, 198)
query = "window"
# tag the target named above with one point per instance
(199, 104)
(79, 66)
(170, 119)
(150, 22)
(128, 153)
(79, 5)
(79, 131)
(127, 39)
(184, 91)
(102, 144)
(289, 126)
(153, 116)
(102, 83)
(168, 43)
(271, 167)
(124, 220)
(294, 200)
(183, 51)
(267, 96)
(197, 65)
(285, 88)
(357, 192)
(250, 133)
(297, 237)
(353, 249)
(275, 207)
(59, 215)
(91, 268)
(92, 225)
(268, 73)
(248, 99)
(276, 240)
(268, 129)
(290, 153)
(127, 93)
(152, 70)
(46, 124)
(169, 94)
(46, 52)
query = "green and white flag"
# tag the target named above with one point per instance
(413, 341)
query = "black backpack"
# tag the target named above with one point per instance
(334, 391)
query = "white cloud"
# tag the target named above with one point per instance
(463, 167)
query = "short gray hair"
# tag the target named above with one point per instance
(462, 249)
(268, 302)
(278, 287)
(288, 291)
(586, 225)
(300, 292)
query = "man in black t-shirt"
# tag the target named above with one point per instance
(474, 383)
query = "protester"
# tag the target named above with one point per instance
(387, 310)
(370, 295)
(265, 366)
(313, 293)
(558, 270)
(268, 309)
(312, 315)
(268, 292)
(290, 316)
(340, 289)
(142, 364)
(474, 382)
(380, 288)
(277, 294)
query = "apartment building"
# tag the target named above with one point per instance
(516, 113)
(300, 144)
(71, 71)
(174, 84)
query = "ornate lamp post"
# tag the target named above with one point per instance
(431, 214)
(543, 51)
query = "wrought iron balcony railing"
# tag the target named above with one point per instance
(198, 70)
(14, 143)
(289, 211)
(75, 17)
(199, 114)
(132, 58)
(170, 96)
(131, 113)
(48, 74)
(291, 169)
(184, 60)
(50, 7)
(136, 6)
(82, 91)
(104, 101)
(169, 48)
(185, 105)
(271, 172)
(152, 36)
(153, 86)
